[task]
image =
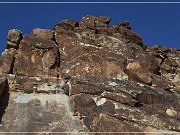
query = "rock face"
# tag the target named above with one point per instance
(37, 57)
(87, 77)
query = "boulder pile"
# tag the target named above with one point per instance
(87, 76)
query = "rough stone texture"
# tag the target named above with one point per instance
(94, 21)
(13, 39)
(40, 113)
(169, 63)
(135, 111)
(37, 57)
(3, 85)
(7, 61)
(88, 77)
(137, 73)
(125, 24)
(160, 82)
(67, 24)
(43, 33)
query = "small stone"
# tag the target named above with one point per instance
(101, 101)
(171, 112)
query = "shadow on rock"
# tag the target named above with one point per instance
(4, 100)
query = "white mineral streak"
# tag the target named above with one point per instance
(101, 101)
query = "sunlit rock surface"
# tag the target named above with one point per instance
(88, 77)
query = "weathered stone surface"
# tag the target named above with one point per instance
(125, 24)
(127, 101)
(137, 73)
(40, 113)
(94, 21)
(130, 35)
(13, 39)
(169, 63)
(83, 104)
(3, 85)
(81, 58)
(43, 33)
(37, 57)
(67, 24)
(36, 84)
(121, 97)
(105, 123)
(7, 61)
(88, 76)
(160, 82)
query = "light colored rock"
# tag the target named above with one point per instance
(171, 111)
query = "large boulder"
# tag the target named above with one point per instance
(37, 57)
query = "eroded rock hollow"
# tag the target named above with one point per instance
(85, 77)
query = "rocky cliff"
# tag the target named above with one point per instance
(87, 76)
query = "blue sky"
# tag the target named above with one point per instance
(156, 23)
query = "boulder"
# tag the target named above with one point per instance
(137, 73)
(43, 33)
(13, 38)
(7, 61)
(125, 24)
(37, 57)
(129, 35)
(66, 24)
(83, 104)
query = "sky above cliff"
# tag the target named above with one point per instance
(155, 23)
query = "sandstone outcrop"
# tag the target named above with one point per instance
(87, 77)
